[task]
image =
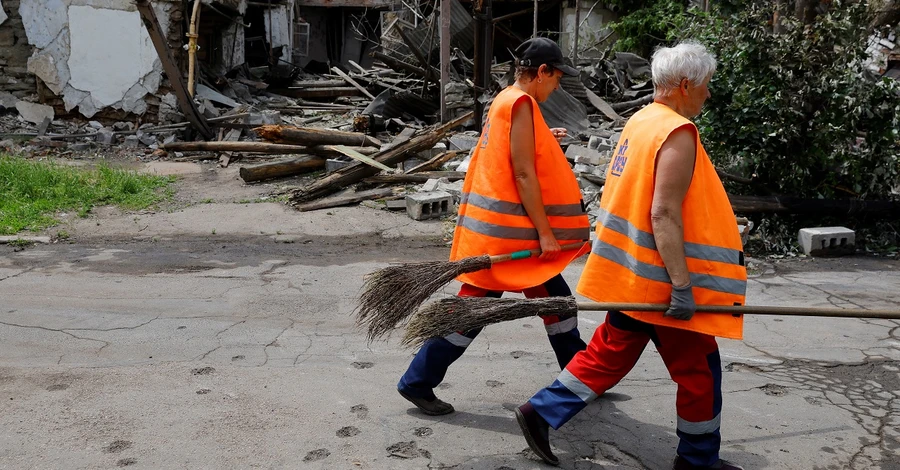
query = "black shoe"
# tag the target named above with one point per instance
(436, 407)
(682, 464)
(536, 432)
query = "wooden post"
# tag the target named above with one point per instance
(185, 102)
(534, 29)
(577, 32)
(484, 28)
(192, 47)
(445, 57)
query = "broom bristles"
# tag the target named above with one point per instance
(452, 314)
(391, 295)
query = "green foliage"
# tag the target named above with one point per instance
(31, 192)
(644, 24)
(798, 110)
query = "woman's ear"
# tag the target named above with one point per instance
(684, 86)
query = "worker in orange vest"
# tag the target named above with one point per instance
(666, 234)
(519, 194)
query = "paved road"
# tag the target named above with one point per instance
(151, 342)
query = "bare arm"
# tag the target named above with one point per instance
(521, 148)
(674, 170)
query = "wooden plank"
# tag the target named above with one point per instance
(327, 92)
(347, 199)
(435, 162)
(358, 67)
(360, 157)
(352, 82)
(422, 177)
(148, 17)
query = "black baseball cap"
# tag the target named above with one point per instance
(537, 51)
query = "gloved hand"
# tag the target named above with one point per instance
(682, 305)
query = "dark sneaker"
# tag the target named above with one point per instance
(682, 464)
(434, 407)
(536, 432)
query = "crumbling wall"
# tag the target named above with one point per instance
(594, 27)
(14, 52)
(94, 54)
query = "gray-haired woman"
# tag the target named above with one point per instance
(661, 204)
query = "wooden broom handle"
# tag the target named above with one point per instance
(749, 309)
(529, 253)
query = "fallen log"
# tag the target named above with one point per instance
(626, 105)
(260, 147)
(420, 177)
(356, 172)
(314, 136)
(264, 171)
(347, 199)
(796, 205)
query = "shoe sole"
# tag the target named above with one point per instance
(520, 418)
(423, 410)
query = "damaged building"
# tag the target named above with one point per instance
(94, 59)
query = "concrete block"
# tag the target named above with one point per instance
(432, 184)
(34, 112)
(827, 241)
(463, 142)
(582, 168)
(455, 188)
(430, 205)
(333, 164)
(105, 136)
(411, 163)
(438, 149)
(587, 156)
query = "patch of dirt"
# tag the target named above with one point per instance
(317, 454)
(407, 450)
(423, 432)
(363, 365)
(57, 387)
(519, 354)
(117, 446)
(494, 384)
(348, 431)
(774, 390)
(126, 462)
(203, 371)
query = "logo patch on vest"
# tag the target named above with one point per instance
(618, 164)
(485, 133)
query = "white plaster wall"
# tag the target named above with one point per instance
(110, 52)
(593, 28)
(94, 53)
(278, 23)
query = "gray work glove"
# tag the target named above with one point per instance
(682, 305)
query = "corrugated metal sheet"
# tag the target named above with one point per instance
(462, 31)
(563, 110)
(401, 104)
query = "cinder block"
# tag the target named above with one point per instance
(421, 206)
(827, 241)
(587, 156)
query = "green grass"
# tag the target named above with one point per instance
(31, 193)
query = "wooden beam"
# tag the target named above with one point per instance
(352, 82)
(435, 162)
(422, 177)
(324, 92)
(264, 171)
(148, 16)
(360, 157)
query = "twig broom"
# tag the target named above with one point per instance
(390, 295)
(453, 314)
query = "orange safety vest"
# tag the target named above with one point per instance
(624, 265)
(492, 219)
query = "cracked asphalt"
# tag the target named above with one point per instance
(221, 336)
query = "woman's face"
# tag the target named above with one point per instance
(548, 82)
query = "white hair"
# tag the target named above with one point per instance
(670, 65)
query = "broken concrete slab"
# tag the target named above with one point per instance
(33, 112)
(587, 156)
(7, 100)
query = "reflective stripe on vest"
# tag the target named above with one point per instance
(659, 273)
(646, 240)
(520, 233)
(514, 208)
